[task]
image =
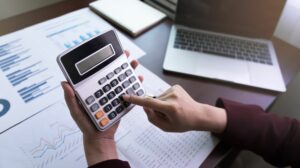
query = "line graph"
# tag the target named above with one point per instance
(46, 145)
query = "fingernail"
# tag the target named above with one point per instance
(62, 83)
(126, 97)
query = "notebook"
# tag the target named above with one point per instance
(133, 16)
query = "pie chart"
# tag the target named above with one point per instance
(4, 107)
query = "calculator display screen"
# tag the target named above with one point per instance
(94, 59)
(90, 57)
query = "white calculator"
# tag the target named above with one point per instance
(99, 72)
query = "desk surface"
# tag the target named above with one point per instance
(154, 43)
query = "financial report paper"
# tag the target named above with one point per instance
(30, 77)
(49, 141)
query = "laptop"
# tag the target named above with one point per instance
(227, 40)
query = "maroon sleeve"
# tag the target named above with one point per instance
(276, 139)
(115, 163)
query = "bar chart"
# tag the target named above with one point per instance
(74, 34)
(29, 75)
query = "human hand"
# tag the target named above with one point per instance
(99, 146)
(176, 111)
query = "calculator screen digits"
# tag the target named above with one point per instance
(94, 59)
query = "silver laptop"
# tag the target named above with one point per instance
(226, 40)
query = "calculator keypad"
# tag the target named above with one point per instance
(107, 103)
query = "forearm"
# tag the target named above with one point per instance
(99, 150)
(274, 138)
(211, 119)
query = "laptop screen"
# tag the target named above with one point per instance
(250, 18)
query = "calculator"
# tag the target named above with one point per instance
(99, 72)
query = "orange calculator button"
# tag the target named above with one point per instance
(104, 122)
(99, 114)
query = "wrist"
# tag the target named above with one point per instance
(99, 150)
(211, 118)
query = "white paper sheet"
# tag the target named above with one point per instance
(51, 139)
(30, 77)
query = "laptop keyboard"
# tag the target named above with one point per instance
(223, 46)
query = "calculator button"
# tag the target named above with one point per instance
(140, 92)
(136, 86)
(121, 96)
(111, 95)
(89, 100)
(99, 93)
(125, 84)
(118, 70)
(121, 77)
(119, 109)
(132, 79)
(126, 104)
(112, 115)
(102, 81)
(125, 65)
(114, 83)
(130, 91)
(108, 108)
(115, 102)
(104, 122)
(128, 72)
(118, 89)
(94, 107)
(110, 75)
(99, 114)
(106, 88)
(103, 101)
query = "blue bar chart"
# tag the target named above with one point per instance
(36, 90)
(27, 74)
(73, 35)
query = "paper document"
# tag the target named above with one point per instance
(51, 139)
(30, 77)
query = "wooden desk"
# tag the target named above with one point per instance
(154, 42)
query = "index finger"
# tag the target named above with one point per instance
(149, 102)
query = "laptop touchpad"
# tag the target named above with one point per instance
(220, 68)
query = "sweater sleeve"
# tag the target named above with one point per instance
(115, 163)
(249, 127)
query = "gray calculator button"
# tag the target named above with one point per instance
(110, 75)
(130, 91)
(108, 108)
(102, 81)
(89, 100)
(128, 72)
(112, 115)
(121, 77)
(132, 79)
(136, 86)
(125, 84)
(125, 65)
(94, 107)
(118, 70)
(140, 92)
(103, 101)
